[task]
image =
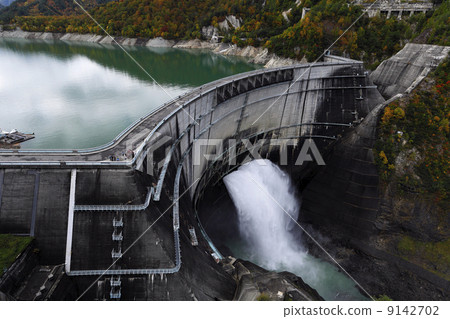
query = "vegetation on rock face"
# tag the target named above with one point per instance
(45, 8)
(413, 146)
(437, 28)
(370, 39)
(434, 256)
(10, 247)
(383, 298)
(263, 297)
(413, 157)
(275, 24)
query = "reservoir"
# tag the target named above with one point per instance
(80, 95)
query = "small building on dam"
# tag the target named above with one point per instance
(148, 211)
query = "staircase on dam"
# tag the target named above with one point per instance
(116, 254)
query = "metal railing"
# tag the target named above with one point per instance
(116, 254)
(117, 223)
(117, 236)
(115, 281)
(117, 207)
(115, 294)
(157, 271)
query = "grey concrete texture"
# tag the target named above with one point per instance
(325, 94)
(413, 62)
(396, 8)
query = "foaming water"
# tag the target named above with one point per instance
(267, 208)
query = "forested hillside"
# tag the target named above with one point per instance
(5, 3)
(417, 128)
(45, 8)
(275, 24)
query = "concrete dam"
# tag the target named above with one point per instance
(146, 212)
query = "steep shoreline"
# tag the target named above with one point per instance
(256, 55)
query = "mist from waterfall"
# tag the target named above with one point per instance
(267, 209)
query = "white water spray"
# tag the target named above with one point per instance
(265, 202)
(267, 208)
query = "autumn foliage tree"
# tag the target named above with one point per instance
(275, 24)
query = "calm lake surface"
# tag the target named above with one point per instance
(76, 95)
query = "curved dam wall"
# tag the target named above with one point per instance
(295, 103)
(228, 118)
(273, 112)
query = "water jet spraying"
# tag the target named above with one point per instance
(267, 209)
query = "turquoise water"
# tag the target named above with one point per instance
(325, 277)
(267, 208)
(74, 95)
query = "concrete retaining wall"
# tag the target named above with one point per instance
(35, 203)
(410, 65)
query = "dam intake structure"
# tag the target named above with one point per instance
(397, 9)
(128, 210)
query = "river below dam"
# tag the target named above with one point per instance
(81, 95)
(268, 207)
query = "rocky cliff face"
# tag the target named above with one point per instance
(387, 241)
(399, 248)
(256, 283)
